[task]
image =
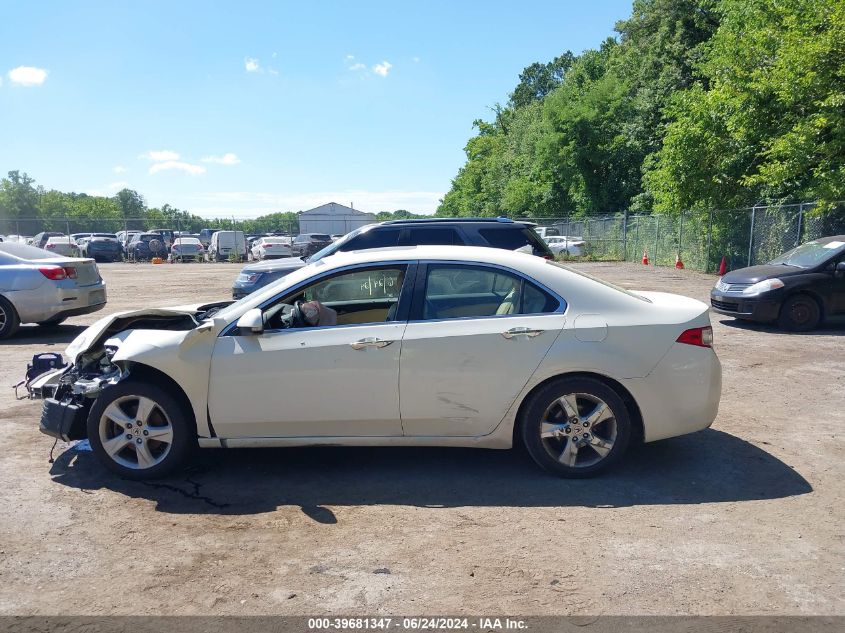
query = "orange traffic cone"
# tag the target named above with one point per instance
(723, 267)
(645, 257)
(678, 263)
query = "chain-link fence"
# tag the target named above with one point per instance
(743, 236)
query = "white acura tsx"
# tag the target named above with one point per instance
(416, 346)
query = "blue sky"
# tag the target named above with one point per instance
(247, 108)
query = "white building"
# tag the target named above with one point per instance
(333, 218)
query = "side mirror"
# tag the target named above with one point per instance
(251, 321)
(840, 268)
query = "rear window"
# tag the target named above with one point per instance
(434, 236)
(320, 237)
(109, 235)
(511, 239)
(22, 251)
(600, 281)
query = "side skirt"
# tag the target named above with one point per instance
(487, 441)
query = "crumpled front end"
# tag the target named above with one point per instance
(69, 392)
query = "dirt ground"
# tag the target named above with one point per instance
(743, 518)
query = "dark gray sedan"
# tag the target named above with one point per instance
(39, 287)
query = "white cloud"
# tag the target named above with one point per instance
(383, 68)
(119, 169)
(246, 204)
(272, 71)
(226, 159)
(251, 65)
(27, 76)
(415, 59)
(175, 165)
(160, 155)
(358, 66)
(274, 55)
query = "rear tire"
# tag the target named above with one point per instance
(799, 313)
(576, 427)
(9, 320)
(139, 431)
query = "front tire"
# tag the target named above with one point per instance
(9, 320)
(799, 313)
(139, 431)
(576, 427)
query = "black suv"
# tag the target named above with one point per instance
(501, 233)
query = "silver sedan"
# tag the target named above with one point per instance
(39, 287)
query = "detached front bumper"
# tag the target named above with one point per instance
(65, 421)
(753, 308)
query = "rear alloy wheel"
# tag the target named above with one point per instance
(799, 313)
(139, 431)
(9, 320)
(576, 427)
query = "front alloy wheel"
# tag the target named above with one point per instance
(576, 427)
(138, 430)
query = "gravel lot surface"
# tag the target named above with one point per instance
(743, 518)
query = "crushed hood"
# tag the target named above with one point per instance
(110, 325)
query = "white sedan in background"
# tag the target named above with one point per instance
(565, 245)
(270, 248)
(63, 245)
(411, 346)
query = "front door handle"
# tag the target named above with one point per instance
(370, 342)
(522, 331)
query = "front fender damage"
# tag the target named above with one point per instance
(105, 355)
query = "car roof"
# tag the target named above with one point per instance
(476, 254)
(500, 221)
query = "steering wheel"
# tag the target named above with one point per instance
(297, 319)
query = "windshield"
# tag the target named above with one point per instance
(334, 247)
(809, 255)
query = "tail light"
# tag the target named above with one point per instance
(54, 273)
(50, 246)
(70, 271)
(549, 257)
(699, 336)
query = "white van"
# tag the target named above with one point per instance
(227, 244)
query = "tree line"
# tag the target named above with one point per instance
(696, 104)
(27, 208)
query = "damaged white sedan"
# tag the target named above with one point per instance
(416, 346)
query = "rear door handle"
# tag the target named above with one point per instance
(522, 331)
(370, 342)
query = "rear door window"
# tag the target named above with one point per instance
(459, 291)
